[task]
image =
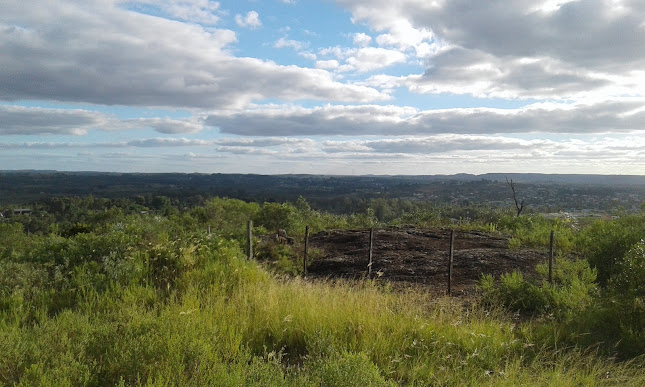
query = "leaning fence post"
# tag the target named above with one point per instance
(249, 239)
(450, 260)
(369, 254)
(304, 259)
(551, 257)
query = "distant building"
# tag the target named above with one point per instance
(22, 211)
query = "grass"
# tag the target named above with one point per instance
(150, 301)
(230, 323)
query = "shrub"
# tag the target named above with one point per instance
(573, 289)
(281, 257)
(605, 243)
(348, 369)
(514, 292)
(627, 290)
(226, 217)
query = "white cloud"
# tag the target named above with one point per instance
(289, 43)
(307, 55)
(265, 142)
(167, 142)
(327, 64)
(103, 54)
(624, 115)
(362, 40)
(441, 144)
(167, 125)
(242, 150)
(18, 120)
(373, 58)
(459, 71)
(362, 60)
(545, 49)
(251, 20)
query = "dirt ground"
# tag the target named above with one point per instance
(409, 256)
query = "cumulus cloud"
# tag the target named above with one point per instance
(461, 71)
(544, 49)
(100, 52)
(167, 142)
(265, 142)
(373, 58)
(362, 40)
(585, 117)
(289, 43)
(361, 60)
(293, 121)
(327, 64)
(167, 125)
(35, 121)
(20, 120)
(251, 20)
(439, 144)
(242, 150)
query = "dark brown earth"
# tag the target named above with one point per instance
(408, 256)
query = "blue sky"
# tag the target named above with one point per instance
(323, 87)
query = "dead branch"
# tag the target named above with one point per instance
(518, 205)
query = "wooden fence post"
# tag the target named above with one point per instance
(450, 260)
(304, 259)
(249, 239)
(551, 257)
(369, 255)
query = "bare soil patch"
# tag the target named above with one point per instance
(407, 256)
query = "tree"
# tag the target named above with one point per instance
(519, 206)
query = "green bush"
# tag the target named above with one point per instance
(226, 217)
(573, 289)
(274, 216)
(627, 290)
(535, 231)
(605, 243)
(347, 369)
(515, 293)
(281, 257)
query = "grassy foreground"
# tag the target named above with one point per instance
(230, 323)
(102, 297)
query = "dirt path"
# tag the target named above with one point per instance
(408, 256)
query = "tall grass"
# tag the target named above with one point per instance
(230, 323)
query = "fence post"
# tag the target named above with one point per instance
(304, 259)
(369, 255)
(249, 239)
(551, 240)
(450, 260)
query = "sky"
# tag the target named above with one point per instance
(345, 87)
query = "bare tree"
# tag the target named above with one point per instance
(518, 205)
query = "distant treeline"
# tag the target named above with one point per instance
(336, 194)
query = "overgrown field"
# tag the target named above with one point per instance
(102, 294)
